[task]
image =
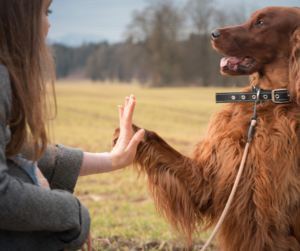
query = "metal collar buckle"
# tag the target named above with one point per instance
(276, 96)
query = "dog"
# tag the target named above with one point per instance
(191, 191)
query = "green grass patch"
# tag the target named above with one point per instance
(87, 116)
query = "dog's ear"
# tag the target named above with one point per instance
(294, 66)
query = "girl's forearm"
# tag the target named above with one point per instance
(94, 163)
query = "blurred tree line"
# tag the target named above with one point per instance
(166, 44)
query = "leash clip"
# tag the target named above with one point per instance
(257, 89)
(257, 102)
(254, 119)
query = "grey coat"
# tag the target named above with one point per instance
(33, 218)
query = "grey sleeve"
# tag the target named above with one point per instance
(60, 166)
(25, 207)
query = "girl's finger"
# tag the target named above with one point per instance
(126, 101)
(136, 139)
(127, 118)
(126, 126)
(132, 96)
(121, 113)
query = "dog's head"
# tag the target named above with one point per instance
(268, 44)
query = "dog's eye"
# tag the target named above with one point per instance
(260, 24)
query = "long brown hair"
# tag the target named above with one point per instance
(24, 52)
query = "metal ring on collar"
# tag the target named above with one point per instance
(258, 92)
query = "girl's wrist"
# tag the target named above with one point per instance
(115, 165)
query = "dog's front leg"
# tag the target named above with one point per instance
(172, 180)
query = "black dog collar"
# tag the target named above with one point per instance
(277, 96)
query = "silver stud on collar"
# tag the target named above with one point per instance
(233, 97)
(243, 97)
(253, 96)
(277, 96)
(265, 96)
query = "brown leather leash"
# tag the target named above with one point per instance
(277, 96)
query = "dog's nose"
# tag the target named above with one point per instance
(215, 34)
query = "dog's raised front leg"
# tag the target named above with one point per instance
(172, 179)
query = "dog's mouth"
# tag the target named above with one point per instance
(235, 64)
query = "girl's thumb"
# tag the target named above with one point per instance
(136, 139)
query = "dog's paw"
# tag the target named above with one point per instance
(117, 134)
(115, 137)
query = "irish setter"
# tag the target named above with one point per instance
(191, 190)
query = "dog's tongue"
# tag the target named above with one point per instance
(230, 61)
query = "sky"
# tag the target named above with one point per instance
(74, 22)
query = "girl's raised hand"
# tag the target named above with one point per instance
(124, 151)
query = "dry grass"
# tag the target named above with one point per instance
(87, 117)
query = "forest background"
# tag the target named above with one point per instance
(165, 44)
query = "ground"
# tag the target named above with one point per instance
(123, 214)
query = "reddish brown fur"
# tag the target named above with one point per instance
(191, 191)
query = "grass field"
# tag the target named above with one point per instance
(119, 202)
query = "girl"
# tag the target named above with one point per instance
(33, 218)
